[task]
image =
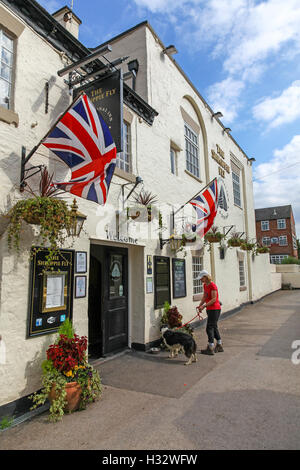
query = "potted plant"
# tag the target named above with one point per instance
(146, 199)
(69, 382)
(173, 319)
(52, 215)
(213, 236)
(234, 240)
(171, 316)
(262, 249)
(191, 238)
(246, 245)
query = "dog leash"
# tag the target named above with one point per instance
(198, 315)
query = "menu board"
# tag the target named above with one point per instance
(50, 291)
(179, 279)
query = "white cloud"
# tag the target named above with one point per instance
(277, 182)
(224, 96)
(246, 35)
(282, 109)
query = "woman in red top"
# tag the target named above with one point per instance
(210, 301)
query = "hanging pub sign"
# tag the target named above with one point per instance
(106, 95)
(50, 299)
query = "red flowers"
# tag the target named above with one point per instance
(174, 317)
(68, 352)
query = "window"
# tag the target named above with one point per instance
(283, 240)
(197, 266)
(265, 225)
(124, 158)
(281, 223)
(6, 69)
(277, 259)
(295, 245)
(191, 151)
(236, 189)
(274, 240)
(173, 161)
(266, 241)
(242, 273)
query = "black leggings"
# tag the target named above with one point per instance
(212, 325)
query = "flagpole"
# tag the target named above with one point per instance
(193, 196)
(25, 159)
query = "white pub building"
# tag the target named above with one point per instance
(123, 268)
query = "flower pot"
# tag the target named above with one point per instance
(212, 238)
(246, 247)
(32, 219)
(234, 243)
(73, 390)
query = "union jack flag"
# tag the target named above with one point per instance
(206, 206)
(83, 141)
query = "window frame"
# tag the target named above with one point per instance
(264, 222)
(242, 274)
(9, 106)
(173, 161)
(236, 187)
(12, 27)
(279, 257)
(280, 240)
(279, 223)
(123, 163)
(266, 241)
(192, 162)
(197, 266)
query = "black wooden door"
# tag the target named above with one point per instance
(95, 308)
(115, 302)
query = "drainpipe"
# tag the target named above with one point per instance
(247, 235)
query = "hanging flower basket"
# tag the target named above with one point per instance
(234, 241)
(262, 249)
(188, 239)
(51, 214)
(247, 246)
(213, 237)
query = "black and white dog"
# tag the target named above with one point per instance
(175, 341)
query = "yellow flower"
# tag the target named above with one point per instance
(69, 373)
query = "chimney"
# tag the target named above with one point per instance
(68, 20)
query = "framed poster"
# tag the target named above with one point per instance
(50, 291)
(162, 289)
(80, 261)
(179, 278)
(80, 286)
(149, 264)
(149, 285)
(54, 291)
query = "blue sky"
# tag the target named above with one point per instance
(243, 57)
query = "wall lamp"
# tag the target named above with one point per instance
(175, 242)
(252, 159)
(217, 114)
(170, 50)
(77, 219)
(227, 129)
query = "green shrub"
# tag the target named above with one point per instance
(290, 260)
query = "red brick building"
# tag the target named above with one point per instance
(275, 228)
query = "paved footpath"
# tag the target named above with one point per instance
(245, 398)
